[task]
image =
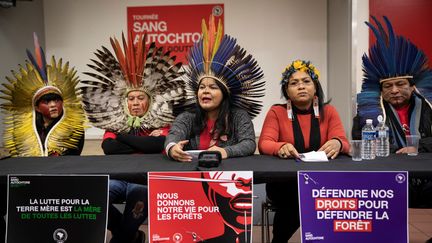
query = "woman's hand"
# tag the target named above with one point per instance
(156, 133)
(288, 151)
(176, 152)
(332, 148)
(221, 150)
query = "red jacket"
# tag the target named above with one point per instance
(278, 130)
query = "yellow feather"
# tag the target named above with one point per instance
(21, 137)
(218, 39)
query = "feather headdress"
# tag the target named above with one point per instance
(219, 57)
(135, 67)
(22, 92)
(392, 56)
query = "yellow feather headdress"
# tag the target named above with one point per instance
(31, 82)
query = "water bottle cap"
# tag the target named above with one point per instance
(368, 121)
(380, 118)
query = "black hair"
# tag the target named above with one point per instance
(319, 93)
(410, 81)
(221, 126)
(48, 97)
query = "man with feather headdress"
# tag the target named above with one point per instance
(44, 115)
(134, 99)
(397, 85)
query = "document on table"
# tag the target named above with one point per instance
(314, 156)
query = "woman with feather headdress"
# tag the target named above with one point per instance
(226, 82)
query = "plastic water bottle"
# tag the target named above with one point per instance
(382, 138)
(368, 141)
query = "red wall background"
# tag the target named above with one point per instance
(410, 18)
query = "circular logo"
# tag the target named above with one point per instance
(217, 11)
(177, 237)
(60, 235)
(400, 178)
(306, 178)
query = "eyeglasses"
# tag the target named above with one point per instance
(296, 83)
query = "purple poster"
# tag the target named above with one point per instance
(353, 207)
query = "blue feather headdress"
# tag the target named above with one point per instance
(219, 57)
(392, 56)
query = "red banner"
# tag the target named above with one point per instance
(416, 27)
(200, 206)
(175, 28)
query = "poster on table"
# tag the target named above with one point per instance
(211, 206)
(57, 208)
(175, 27)
(353, 207)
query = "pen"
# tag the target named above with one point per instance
(299, 159)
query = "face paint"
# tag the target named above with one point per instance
(138, 103)
(50, 109)
(397, 92)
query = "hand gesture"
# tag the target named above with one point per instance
(176, 152)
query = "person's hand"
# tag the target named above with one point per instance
(221, 150)
(332, 148)
(288, 151)
(176, 152)
(406, 150)
(156, 133)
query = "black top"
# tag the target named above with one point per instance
(266, 168)
(43, 132)
(130, 144)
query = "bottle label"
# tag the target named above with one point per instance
(382, 134)
(368, 135)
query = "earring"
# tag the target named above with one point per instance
(316, 106)
(289, 110)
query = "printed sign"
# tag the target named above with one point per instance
(57, 208)
(353, 206)
(211, 206)
(175, 28)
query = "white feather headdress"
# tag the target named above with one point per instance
(135, 67)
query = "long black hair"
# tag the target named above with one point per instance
(318, 92)
(221, 126)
